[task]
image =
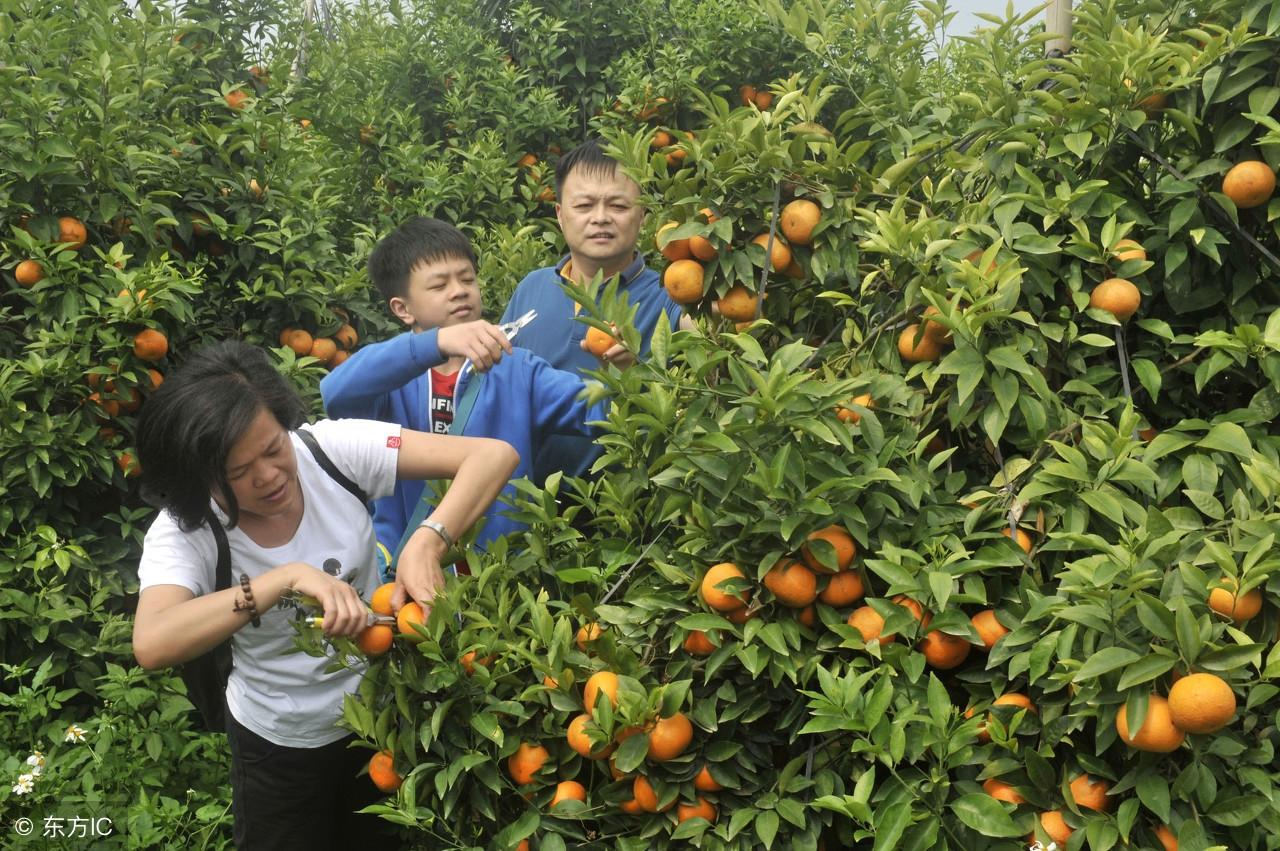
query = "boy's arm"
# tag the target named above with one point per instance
(356, 387)
(557, 403)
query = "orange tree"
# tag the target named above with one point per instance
(938, 378)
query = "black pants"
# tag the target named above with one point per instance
(303, 798)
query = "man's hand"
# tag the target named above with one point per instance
(617, 354)
(481, 342)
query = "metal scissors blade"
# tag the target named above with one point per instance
(510, 328)
(373, 620)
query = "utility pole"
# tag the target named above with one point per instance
(1057, 23)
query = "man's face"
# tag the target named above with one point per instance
(440, 293)
(600, 215)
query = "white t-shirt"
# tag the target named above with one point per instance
(282, 694)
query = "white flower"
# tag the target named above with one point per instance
(26, 783)
(75, 733)
(36, 759)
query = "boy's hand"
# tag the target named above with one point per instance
(480, 342)
(618, 355)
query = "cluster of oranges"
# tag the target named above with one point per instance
(72, 235)
(332, 351)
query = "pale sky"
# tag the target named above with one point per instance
(966, 20)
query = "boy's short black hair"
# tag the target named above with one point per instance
(419, 240)
(190, 424)
(587, 157)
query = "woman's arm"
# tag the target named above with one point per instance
(479, 468)
(173, 626)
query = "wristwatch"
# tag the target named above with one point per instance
(438, 527)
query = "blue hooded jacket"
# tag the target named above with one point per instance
(522, 400)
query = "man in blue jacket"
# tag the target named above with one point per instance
(426, 269)
(600, 215)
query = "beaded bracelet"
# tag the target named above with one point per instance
(248, 605)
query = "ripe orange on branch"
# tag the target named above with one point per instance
(738, 304)
(943, 650)
(598, 342)
(843, 589)
(576, 735)
(849, 415)
(988, 628)
(704, 782)
(28, 273)
(1055, 827)
(869, 624)
(792, 583)
(1128, 249)
(702, 809)
(1118, 297)
(670, 737)
(600, 681)
(798, 220)
(1201, 703)
(150, 345)
(779, 253)
(383, 773)
(375, 640)
(915, 346)
(1249, 184)
(1238, 607)
(1090, 794)
(1158, 733)
(1002, 791)
(676, 249)
(720, 599)
(839, 539)
(71, 230)
(526, 762)
(698, 643)
(568, 790)
(587, 633)
(409, 617)
(683, 281)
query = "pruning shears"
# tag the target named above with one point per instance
(372, 620)
(509, 329)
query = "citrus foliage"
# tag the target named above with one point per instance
(935, 367)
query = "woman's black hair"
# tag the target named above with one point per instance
(190, 424)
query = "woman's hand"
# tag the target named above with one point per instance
(344, 612)
(418, 570)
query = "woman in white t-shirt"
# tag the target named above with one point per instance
(217, 440)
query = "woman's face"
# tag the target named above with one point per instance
(263, 471)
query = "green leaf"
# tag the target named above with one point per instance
(1228, 437)
(1145, 670)
(1148, 375)
(1153, 791)
(767, 827)
(891, 820)
(1105, 661)
(984, 814)
(1238, 811)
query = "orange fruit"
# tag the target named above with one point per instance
(300, 341)
(662, 139)
(1128, 249)
(917, 611)
(738, 304)
(1024, 540)
(28, 273)
(110, 407)
(843, 589)
(1117, 296)
(684, 280)
(808, 616)
(715, 597)
(794, 270)
(669, 737)
(632, 807)
(747, 94)
(1249, 184)
(916, 347)
(568, 790)
(1002, 791)
(600, 681)
(375, 640)
(1168, 839)
(1090, 794)
(150, 344)
(989, 629)
(798, 220)
(599, 342)
(933, 329)
(324, 350)
(741, 616)
(1055, 827)
(1201, 703)
(470, 660)
(698, 643)
(763, 100)
(869, 624)
(71, 230)
(704, 782)
(522, 845)
(380, 602)
(527, 161)
(346, 337)
(676, 249)
(128, 465)
(702, 809)
(339, 359)
(642, 793)
(849, 415)
(1158, 733)
(156, 376)
(839, 539)
(792, 583)
(576, 735)
(1015, 699)
(943, 650)
(407, 618)
(235, 99)
(587, 633)
(383, 773)
(702, 248)
(779, 255)
(255, 188)
(526, 762)
(1238, 607)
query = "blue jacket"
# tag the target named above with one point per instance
(557, 336)
(522, 400)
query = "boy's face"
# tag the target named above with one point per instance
(440, 293)
(600, 216)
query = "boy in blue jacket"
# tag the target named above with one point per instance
(426, 270)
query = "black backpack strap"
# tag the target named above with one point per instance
(327, 465)
(222, 570)
(206, 675)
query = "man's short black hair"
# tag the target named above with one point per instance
(589, 157)
(419, 240)
(190, 424)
